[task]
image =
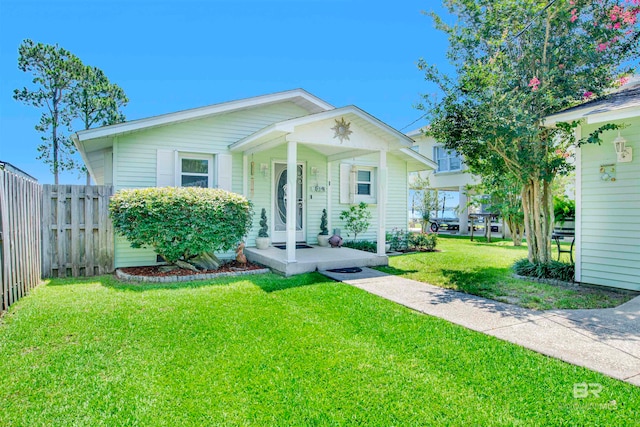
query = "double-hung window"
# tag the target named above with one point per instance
(195, 170)
(365, 185)
(364, 182)
(448, 160)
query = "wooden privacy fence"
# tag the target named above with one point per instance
(20, 226)
(77, 235)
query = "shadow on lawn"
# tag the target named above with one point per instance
(476, 280)
(268, 282)
(393, 270)
(110, 281)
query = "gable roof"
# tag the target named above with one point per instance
(621, 104)
(300, 97)
(365, 119)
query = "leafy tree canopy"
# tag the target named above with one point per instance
(517, 62)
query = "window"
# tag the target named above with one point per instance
(448, 160)
(357, 184)
(364, 184)
(196, 170)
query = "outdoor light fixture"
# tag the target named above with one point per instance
(264, 169)
(624, 153)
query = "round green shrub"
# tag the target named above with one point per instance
(181, 223)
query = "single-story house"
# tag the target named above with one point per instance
(341, 156)
(608, 190)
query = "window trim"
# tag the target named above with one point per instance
(195, 156)
(450, 154)
(371, 197)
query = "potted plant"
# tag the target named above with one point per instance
(262, 241)
(323, 236)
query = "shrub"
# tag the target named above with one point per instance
(563, 209)
(398, 239)
(361, 245)
(423, 241)
(323, 223)
(553, 270)
(263, 224)
(181, 223)
(357, 219)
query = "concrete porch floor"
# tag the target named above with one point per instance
(314, 258)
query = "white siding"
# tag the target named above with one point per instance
(397, 195)
(610, 219)
(443, 180)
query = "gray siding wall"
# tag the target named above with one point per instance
(610, 212)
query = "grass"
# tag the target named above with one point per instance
(484, 269)
(268, 350)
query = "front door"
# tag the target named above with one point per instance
(279, 234)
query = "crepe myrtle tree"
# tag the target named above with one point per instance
(517, 62)
(180, 224)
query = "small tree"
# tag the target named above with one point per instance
(264, 228)
(324, 223)
(425, 200)
(357, 219)
(55, 71)
(181, 223)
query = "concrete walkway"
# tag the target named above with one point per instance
(604, 340)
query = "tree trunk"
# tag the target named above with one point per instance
(537, 204)
(516, 229)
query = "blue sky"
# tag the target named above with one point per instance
(175, 55)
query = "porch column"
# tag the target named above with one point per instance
(245, 174)
(329, 197)
(292, 173)
(463, 209)
(382, 201)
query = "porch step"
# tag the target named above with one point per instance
(313, 259)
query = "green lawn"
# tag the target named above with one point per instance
(484, 269)
(265, 350)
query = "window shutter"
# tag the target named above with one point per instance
(165, 169)
(224, 171)
(347, 183)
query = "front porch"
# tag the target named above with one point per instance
(314, 258)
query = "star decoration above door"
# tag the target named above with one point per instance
(342, 130)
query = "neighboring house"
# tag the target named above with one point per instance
(341, 156)
(608, 190)
(10, 168)
(450, 173)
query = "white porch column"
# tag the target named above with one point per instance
(329, 198)
(292, 173)
(382, 201)
(463, 215)
(245, 175)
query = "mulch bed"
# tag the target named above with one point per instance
(154, 271)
